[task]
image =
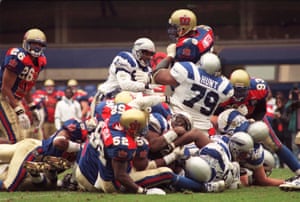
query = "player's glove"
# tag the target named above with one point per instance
(91, 124)
(155, 191)
(151, 191)
(22, 117)
(143, 77)
(171, 50)
(38, 114)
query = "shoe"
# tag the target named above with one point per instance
(217, 186)
(292, 178)
(34, 168)
(291, 185)
(57, 162)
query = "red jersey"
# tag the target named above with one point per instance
(257, 95)
(21, 63)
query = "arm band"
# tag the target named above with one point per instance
(73, 147)
(170, 136)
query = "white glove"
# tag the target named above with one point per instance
(94, 140)
(155, 191)
(22, 117)
(179, 152)
(91, 123)
(141, 76)
(171, 50)
(38, 116)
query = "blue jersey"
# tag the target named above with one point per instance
(20, 62)
(77, 132)
(191, 48)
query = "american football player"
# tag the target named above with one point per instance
(129, 70)
(18, 74)
(118, 147)
(81, 96)
(250, 96)
(227, 155)
(31, 158)
(190, 41)
(198, 89)
(49, 96)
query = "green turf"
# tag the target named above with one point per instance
(245, 194)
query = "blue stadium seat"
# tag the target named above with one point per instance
(91, 89)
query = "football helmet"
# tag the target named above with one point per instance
(240, 80)
(181, 22)
(123, 97)
(259, 131)
(210, 63)
(182, 119)
(231, 120)
(134, 121)
(198, 169)
(143, 50)
(269, 162)
(49, 86)
(33, 37)
(49, 82)
(72, 82)
(241, 146)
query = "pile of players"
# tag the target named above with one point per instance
(202, 133)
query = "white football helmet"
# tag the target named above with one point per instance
(259, 131)
(210, 63)
(230, 119)
(241, 146)
(269, 162)
(34, 36)
(143, 50)
(198, 169)
(182, 118)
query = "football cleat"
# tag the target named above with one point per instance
(291, 184)
(216, 186)
(57, 162)
(292, 178)
(34, 168)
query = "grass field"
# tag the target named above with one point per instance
(244, 194)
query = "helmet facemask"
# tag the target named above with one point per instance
(173, 32)
(240, 93)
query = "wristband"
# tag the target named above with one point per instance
(19, 110)
(170, 136)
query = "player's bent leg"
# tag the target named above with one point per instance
(83, 182)
(153, 177)
(16, 172)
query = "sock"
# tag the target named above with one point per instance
(181, 182)
(288, 157)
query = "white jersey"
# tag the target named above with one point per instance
(198, 93)
(121, 75)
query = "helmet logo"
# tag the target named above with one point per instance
(185, 20)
